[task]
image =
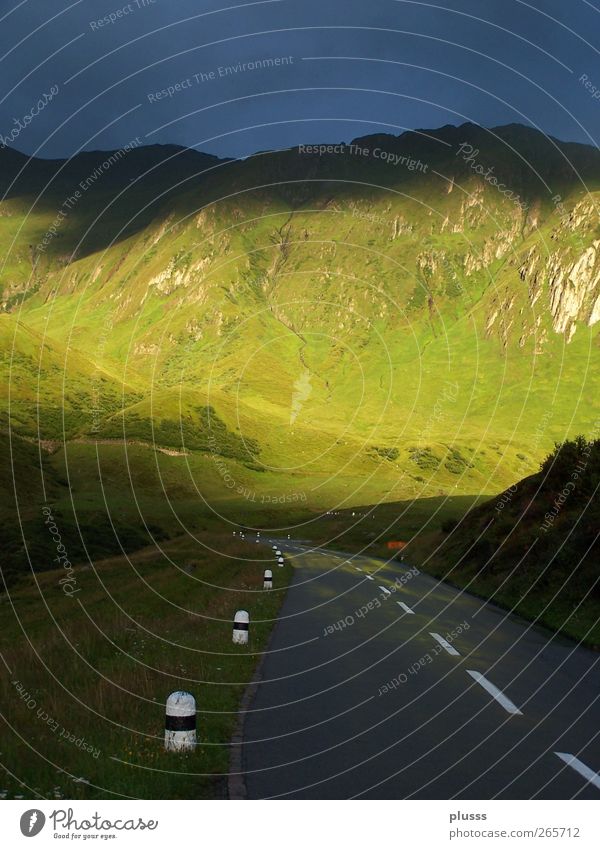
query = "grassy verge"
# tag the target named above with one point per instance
(85, 678)
(535, 548)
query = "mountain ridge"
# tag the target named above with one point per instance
(452, 130)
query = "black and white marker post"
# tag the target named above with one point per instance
(268, 580)
(180, 722)
(280, 561)
(241, 624)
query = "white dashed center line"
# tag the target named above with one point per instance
(580, 767)
(495, 692)
(370, 578)
(445, 644)
(406, 608)
(385, 591)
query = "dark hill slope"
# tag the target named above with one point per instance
(535, 547)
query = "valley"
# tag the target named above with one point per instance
(334, 348)
(332, 329)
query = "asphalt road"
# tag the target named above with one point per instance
(360, 697)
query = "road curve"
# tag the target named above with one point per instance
(382, 683)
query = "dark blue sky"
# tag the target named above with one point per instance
(357, 66)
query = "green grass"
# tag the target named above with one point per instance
(100, 665)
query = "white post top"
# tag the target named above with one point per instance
(242, 616)
(268, 573)
(181, 703)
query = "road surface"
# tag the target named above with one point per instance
(382, 683)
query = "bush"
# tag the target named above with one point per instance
(385, 453)
(424, 458)
(456, 463)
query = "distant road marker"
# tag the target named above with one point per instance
(370, 578)
(445, 644)
(357, 569)
(406, 608)
(495, 692)
(385, 591)
(580, 767)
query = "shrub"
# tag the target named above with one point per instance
(385, 453)
(424, 458)
(456, 463)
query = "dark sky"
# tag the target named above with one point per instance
(357, 66)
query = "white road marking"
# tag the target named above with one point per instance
(370, 578)
(495, 692)
(384, 590)
(405, 607)
(580, 767)
(445, 644)
(357, 569)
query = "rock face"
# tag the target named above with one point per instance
(574, 291)
(571, 283)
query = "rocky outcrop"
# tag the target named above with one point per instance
(495, 247)
(572, 285)
(574, 290)
(173, 277)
